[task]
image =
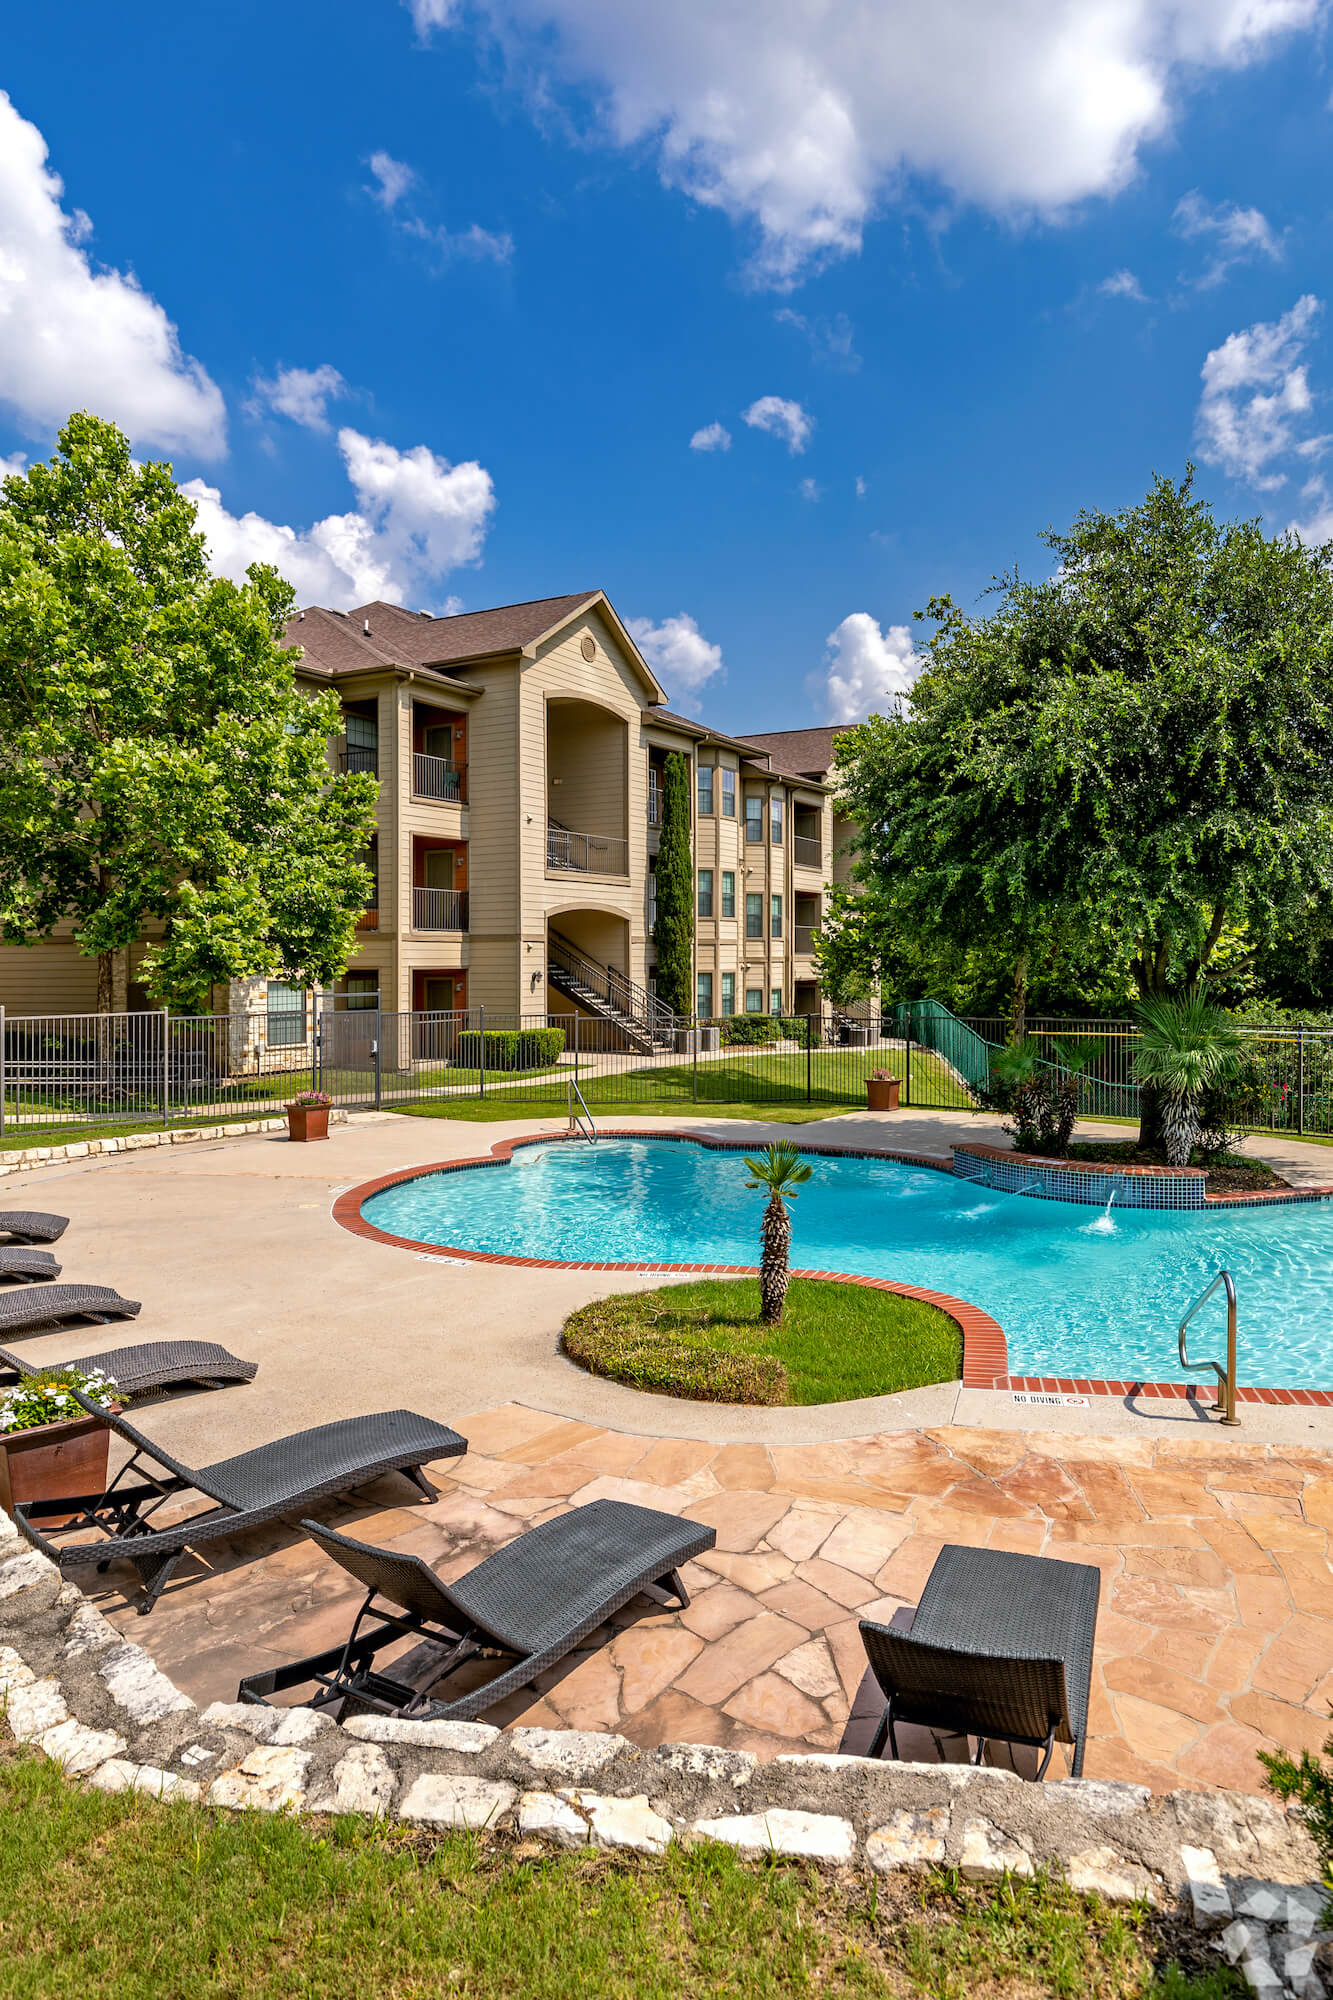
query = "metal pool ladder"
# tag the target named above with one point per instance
(580, 1121)
(1226, 1377)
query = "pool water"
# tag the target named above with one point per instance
(1077, 1292)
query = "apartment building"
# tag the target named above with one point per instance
(520, 754)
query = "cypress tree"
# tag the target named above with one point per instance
(673, 933)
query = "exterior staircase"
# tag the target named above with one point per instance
(609, 996)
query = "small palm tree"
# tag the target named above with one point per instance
(1189, 1046)
(781, 1170)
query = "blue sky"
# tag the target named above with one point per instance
(454, 288)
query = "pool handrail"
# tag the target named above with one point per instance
(1226, 1377)
(581, 1121)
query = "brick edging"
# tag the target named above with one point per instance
(1235, 1198)
(985, 1349)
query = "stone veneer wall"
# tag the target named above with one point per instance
(24, 1157)
(99, 1706)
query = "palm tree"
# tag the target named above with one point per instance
(1188, 1046)
(781, 1170)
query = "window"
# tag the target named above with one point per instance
(362, 752)
(728, 993)
(754, 816)
(754, 1000)
(728, 892)
(652, 893)
(754, 916)
(362, 992)
(703, 995)
(705, 892)
(728, 778)
(705, 788)
(369, 857)
(775, 916)
(286, 1015)
(775, 1001)
(775, 819)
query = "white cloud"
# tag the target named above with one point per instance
(712, 437)
(1238, 234)
(417, 517)
(860, 487)
(811, 490)
(1123, 285)
(395, 177)
(802, 119)
(1255, 394)
(1317, 527)
(830, 338)
(73, 336)
(677, 652)
(781, 419)
(474, 244)
(865, 671)
(303, 394)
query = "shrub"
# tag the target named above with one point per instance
(1309, 1784)
(312, 1100)
(44, 1398)
(600, 1339)
(509, 1048)
(749, 1030)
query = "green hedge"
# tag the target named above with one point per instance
(509, 1048)
(598, 1339)
(758, 1031)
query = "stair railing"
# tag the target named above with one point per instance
(1226, 1377)
(580, 1120)
(614, 987)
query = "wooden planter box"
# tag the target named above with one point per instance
(54, 1462)
(882, 1093)
(307, 1121)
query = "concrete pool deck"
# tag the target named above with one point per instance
(1216, 1635)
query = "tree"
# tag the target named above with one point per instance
(158, 763)
(781, 1170)
(1189, 1047)
(673, 933)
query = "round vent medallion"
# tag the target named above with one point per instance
(588, 646)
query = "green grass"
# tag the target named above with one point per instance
(127, 1899)
(706, 1341)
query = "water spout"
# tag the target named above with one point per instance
(1104, 1226)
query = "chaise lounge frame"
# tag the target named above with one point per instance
(31, 1225)
(530, 1602)
(35, 1307)
(155, 1364)
(249, 1489)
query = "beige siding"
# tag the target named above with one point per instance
(48, 978)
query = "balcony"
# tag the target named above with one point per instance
(803, 939)
(369, 920)
(437, 778)
(439, 909)
(360, 758)
(806, 852)
(585, 853)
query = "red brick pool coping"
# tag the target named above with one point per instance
(985, 1349)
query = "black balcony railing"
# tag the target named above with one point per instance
(360, 757)
(439, 909)
(437, 778)
(806, 852)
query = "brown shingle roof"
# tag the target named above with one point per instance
(337, 642)
(805, 753)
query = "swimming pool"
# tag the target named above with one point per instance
(1077, 1292)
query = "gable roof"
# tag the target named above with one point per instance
(387, 635)
(802, 753)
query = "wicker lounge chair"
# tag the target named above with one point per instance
(30, 1225)
(156, 1364)
(254, 1487)
(27, 1266)
(34, 1307)
(1000, 1646)
(528, 1604)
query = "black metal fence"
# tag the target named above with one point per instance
(66, 1075)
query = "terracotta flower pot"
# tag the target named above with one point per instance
(882, 1093)
(53, 1462)
(307, 1121)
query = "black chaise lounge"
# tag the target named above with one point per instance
(254, 1487)
(33, 1307)
(27, 1266)
(999, 1646)
(528, 1604)
(156, 1364)
(30, 1225)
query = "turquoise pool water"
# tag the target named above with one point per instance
(1077, 1292)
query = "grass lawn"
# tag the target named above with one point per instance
(706, 1341)
(128, 1899)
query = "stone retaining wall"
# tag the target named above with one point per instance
(135, 1142)
(101, 1708)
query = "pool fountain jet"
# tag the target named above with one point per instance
(1103, 1225)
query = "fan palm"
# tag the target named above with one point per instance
(781, 1170)
(1188, 1046)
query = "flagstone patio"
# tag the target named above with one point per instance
(1215, 1636)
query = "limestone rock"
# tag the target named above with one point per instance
(362, 1782)
(910, 1840)
(434, 1799)
(574, 1753)
(118, 1775)
(268, 1780)
(467, 1737)
(1104, 1796)
(139, 1687)
(33, 1708)
(29, 1584)
(705, 1760)
(80, 1750)
(1208, 1892)
(1100, 1871)
(551, 1816)
(253, 1717)
(87, 1632)
(624, 1823)
(14, 1671)
(804, 1835)
(989, 1855)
